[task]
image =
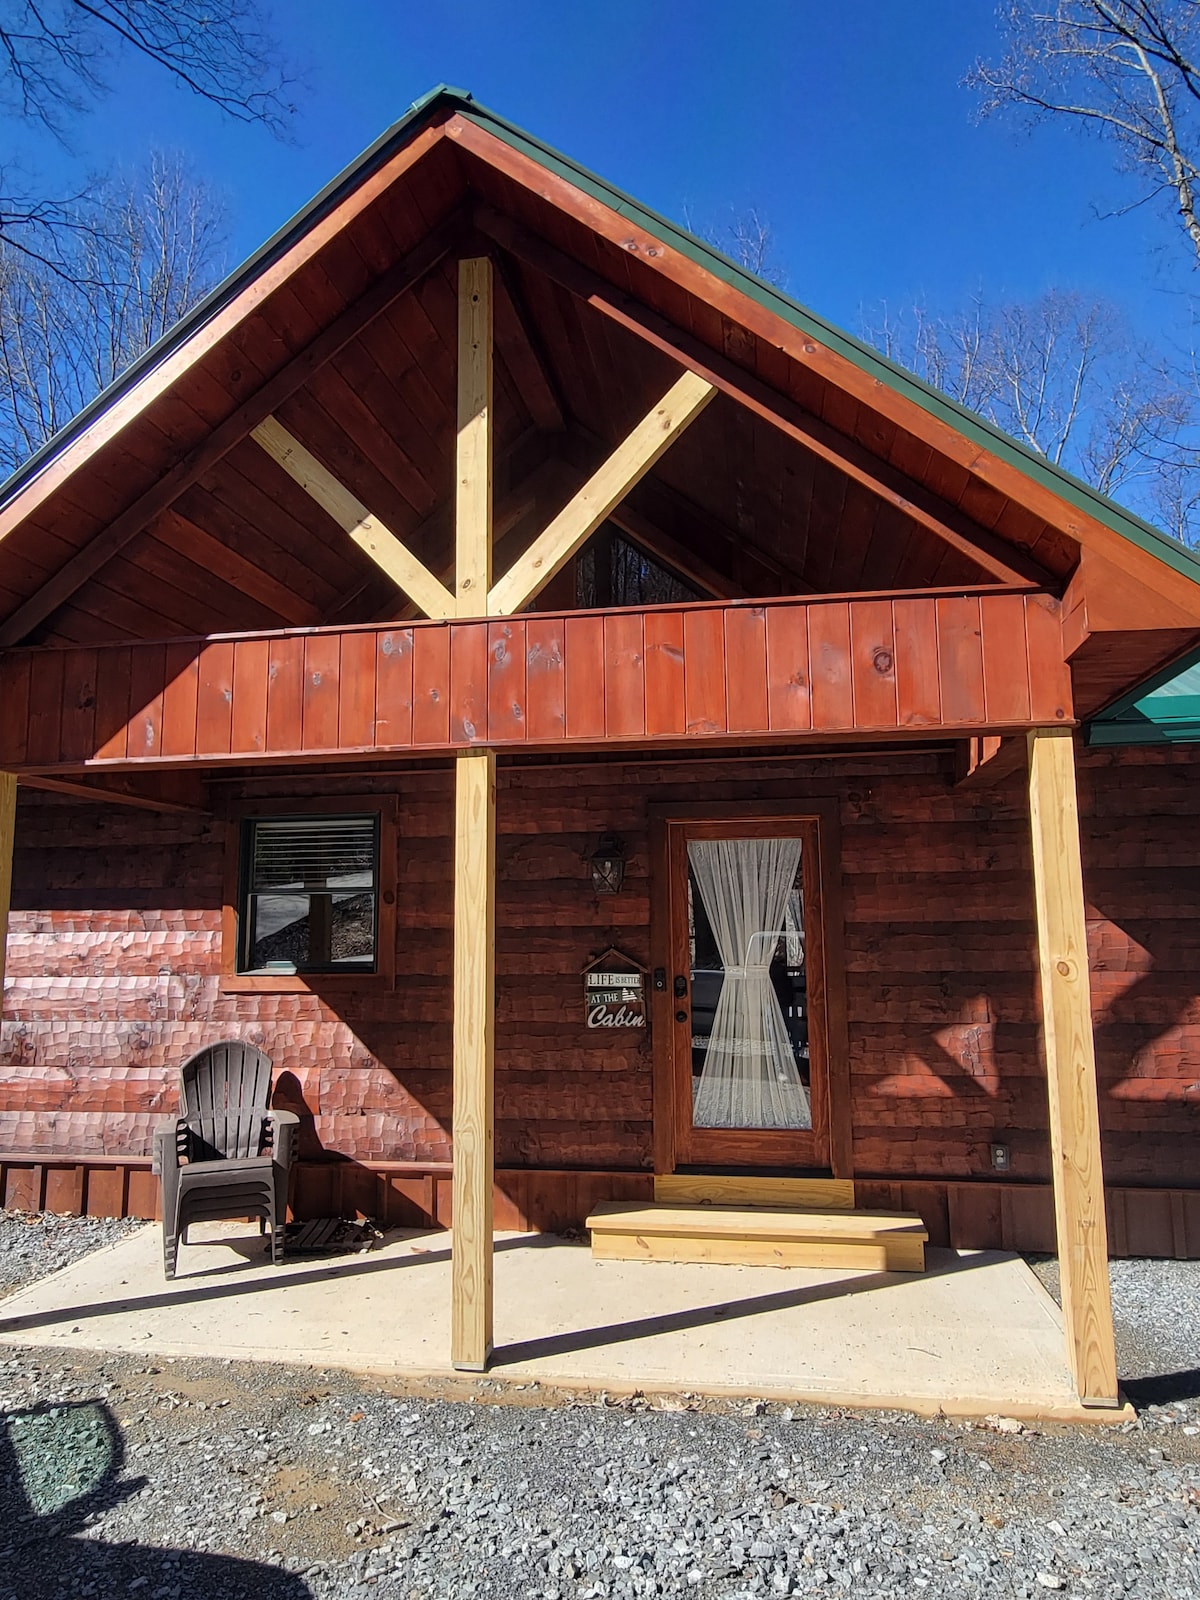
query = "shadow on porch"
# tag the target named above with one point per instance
(974, 1334)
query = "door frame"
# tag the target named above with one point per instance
(816, 816)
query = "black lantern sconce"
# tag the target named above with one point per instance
(608, 865)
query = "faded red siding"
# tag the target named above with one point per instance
(885, 666)
(113, 975)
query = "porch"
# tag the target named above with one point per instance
(828, 591)
(976, 1334)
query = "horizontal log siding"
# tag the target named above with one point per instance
(114, 955)
(779, 669)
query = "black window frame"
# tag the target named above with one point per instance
(245, 894)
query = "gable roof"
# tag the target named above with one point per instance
(866, 477)
(877, 366)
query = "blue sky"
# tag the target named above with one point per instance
(846, 126)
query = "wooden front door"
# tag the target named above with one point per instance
(751, 1054)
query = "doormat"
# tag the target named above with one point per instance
(330, 1236)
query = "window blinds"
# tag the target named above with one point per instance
(313, 854)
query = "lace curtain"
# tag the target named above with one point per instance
(750, 1078)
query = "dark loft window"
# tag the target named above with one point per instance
(310, 889)
(612, 571)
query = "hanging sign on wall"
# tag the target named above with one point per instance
(614, 992)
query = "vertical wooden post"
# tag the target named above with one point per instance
(473, 484)
(474, 1019)
(1071, 1066)
(474, 853)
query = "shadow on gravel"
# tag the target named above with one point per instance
(61, 1465)
(1163, 1388)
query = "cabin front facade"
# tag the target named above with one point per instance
(585, 719)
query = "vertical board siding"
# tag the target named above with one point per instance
(746, 669)
(789, 682)
(180, 693)
(393, 686)
(665, 711)
(431, 685)
(584, 652)
(147, 686)
(356, 692)
(285, 694)
(79, 708)
(251, 676)
(113, 673)
(545, 681)
(960, 659)
(468, 682)
(322, 675)
(829, 667)
(1005, 659)
(704, 700)
(506, 693)
(214, 700)
(918, 678)
(624, 676)
(776, 668)
(47, 686)
(873, 664)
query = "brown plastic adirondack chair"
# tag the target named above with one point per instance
(227, 1154)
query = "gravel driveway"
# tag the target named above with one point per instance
(168, 1479)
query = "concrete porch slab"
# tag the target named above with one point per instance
(975, 1334)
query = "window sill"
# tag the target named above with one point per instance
(302, 982)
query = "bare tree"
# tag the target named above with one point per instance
(57, 58)
(747, 238)
(1129, 70)
(1065, 375)
(124, 280)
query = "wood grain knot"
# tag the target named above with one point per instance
(882, 660)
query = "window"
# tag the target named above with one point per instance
(309, 897)
(613, 571)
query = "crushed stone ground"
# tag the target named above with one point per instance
(167, 1479)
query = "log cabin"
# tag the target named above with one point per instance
(596, 726)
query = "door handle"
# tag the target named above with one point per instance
(681, 1016)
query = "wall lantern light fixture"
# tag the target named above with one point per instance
(608, 865)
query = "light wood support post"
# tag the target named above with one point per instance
(473, 483)
(474, 1029)
(1071, 1066)
(474, 853)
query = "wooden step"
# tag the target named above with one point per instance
(702, 1188)
(743, 1236)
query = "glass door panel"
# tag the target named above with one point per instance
(748, 1046)
(749, 1022)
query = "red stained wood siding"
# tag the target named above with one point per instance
(114, 977)
(773, 669)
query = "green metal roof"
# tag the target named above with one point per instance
(1164, 710)
(444, 98)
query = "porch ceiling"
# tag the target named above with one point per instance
(238, 545)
